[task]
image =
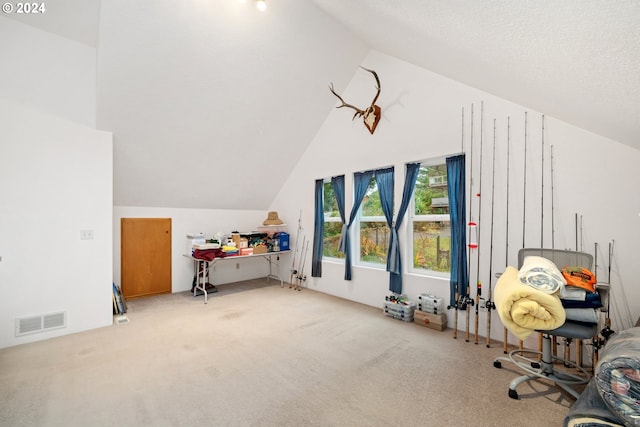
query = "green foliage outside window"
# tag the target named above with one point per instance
(374, 233)
(431, 235)
(431, 227)
(432, 245)
(333, 228)
(431, 184)
(331, 240)
(374, 242)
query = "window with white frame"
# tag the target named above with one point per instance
(430, 222)
(372, 229)
(332, 223)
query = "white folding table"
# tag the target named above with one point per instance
(272, 258)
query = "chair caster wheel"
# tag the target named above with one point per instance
(497, 364)
(535, 365)
(513, 394)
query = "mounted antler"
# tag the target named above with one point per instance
(371, 115)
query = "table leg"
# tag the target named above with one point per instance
(277, 264)
(205, 272)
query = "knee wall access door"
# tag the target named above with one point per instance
(145, 256)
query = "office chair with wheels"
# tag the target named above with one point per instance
(541, 365)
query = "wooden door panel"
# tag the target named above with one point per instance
(145, 256)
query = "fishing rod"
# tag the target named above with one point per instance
(596, 341)
(542, 193)
(576, 221)
(455, 318)
(293, 261)
(607, 331)
(595, 261)
(524, 190)
(296, 271)
(625, 318)
(553, 229)
(489, 304)
(467, 299)
(567, 341)
(524, 197)
(478, 194)
(581, 233)
(610, 260)
(301, 276)
(470, 245)
(457, 298)
(471, 223)
(541, 208)
(578, 233)
(506, 252)
(462, 139)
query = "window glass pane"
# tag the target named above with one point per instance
(431, 195)
(331, 239)
(374, 241)
(332, 223)
(432, 245)
(330, 203)
(371, 205)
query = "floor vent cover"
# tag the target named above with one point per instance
(41, 323)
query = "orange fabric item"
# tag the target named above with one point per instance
(579, 277)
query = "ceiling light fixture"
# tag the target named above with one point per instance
(261, 5)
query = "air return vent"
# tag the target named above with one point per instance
(41, 323)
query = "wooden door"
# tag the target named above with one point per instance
(145, 256)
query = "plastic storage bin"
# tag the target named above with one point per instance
(431, 304)
(401, 311)
(284, 241)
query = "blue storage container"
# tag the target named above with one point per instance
(284, 241)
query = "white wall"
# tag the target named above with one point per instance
(48, 72)
(422, 119)
(55, 180)
(207, 221)
(56, 175)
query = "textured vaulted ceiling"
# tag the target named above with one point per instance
(578, 60)
(211, 102)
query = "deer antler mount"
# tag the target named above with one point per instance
(371, 114)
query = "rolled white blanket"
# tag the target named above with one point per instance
(524, 309)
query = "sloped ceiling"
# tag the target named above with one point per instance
(577, 60)
(211, 102)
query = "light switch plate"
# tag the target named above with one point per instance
(86, 234)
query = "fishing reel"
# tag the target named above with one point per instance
(461, 303)
(465, 301)
(294, 273)
(468, 301)
(607, 332)
(490, 305)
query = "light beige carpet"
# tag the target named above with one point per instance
(261, 355)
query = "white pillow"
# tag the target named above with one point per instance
(541, 274)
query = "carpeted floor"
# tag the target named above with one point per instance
(261, 355)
